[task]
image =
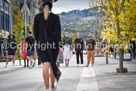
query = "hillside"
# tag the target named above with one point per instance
(83, 21)
(78, 16)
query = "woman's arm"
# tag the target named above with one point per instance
(58, 30)
(36, 28)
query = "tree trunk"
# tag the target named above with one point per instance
(121, 58)
(107, 62)
(20, 62)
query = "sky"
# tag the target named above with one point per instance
(68, 5)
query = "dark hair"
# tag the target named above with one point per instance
(29, 32)
(49, 4)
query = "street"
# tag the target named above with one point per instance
(101, 77)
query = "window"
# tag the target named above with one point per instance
(2, 20)
(6, 6)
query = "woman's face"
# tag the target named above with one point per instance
(66, 34)
(11, 37)
(46, 7)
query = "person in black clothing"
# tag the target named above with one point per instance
(79, 46)
(133, 49)
(11, 48)
(47, 29)
(30, 48)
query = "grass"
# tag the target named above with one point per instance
(99, 55)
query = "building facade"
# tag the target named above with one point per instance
(5, 19)
(28, 9)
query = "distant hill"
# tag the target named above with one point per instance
(83, 21)
(78, 16)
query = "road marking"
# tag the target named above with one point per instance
(88, 81)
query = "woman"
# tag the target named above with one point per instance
(67, 48)
(24, 52)
(47, 29)
(11, 49)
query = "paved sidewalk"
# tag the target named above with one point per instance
(109, 80)
(10, 67)
(101, 77)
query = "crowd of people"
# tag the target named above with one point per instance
(28, 49)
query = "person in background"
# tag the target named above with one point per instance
(79, 46)
(40, 6)
(90, 50)
(11, 49)
(30, 48)
(133, 49)
(67, 48)
(24, 52)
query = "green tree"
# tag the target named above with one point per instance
(15, 11)
(18, 31)
(62, 36)
(73, 38)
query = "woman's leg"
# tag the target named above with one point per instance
(46, 67)
(30, 58)
(68, 62)
(13, 56)
(52, 77)
(27, 63)
(24, 62)
(7, 60)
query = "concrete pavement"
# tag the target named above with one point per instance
(101, 77)
(10, 67)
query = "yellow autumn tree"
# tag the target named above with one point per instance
(119, 24)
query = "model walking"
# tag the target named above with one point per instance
(47, 30)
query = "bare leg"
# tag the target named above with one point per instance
(13, 59)
(52, 77)
(7, 60)
(68, 62)
(31, 60)
(46, 67)
(27, 63)
(24, 62)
